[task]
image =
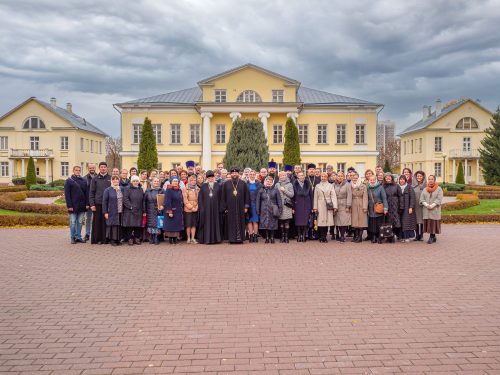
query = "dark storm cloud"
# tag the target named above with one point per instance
(401, 54)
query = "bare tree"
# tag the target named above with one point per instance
(113, 149)
(391, 153)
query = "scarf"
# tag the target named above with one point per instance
(433, 188)
(357, 184)
(119, 198)
(403, 187)
(370, 186)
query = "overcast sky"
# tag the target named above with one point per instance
(401, 53)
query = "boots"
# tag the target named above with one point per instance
(282, 239)
(271, 236)
(267, 236)
(285, 236)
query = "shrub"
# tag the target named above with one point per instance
(457, 219)
(489, 195)
(455, 193)
(59, 182)
(46, 188)
(19, 196)
(22, 181)
(33, 220)
(43, 194)
(10, 189)
(30, 173)
(453, 187)
(460, 205)
(484, 187)
(466, 197)
(7, 202)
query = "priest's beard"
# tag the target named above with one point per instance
(235, 178)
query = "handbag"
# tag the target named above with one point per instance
(274, 208)
(386, 230)
(329, 203)
(159, 222)
(378, 207)
(288, 202)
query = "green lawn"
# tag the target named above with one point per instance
(60, 201)
(487, 206)
(15, 213)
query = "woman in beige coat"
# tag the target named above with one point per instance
(190, 200)
(359, 207)
(430, 200)
(324, 193)
(344, 200)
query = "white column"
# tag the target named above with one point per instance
(207, 141)
(47, 170)
(454, 171)
(465, 172)
(234, 116)
(263, 117)
(293, 116)
(23, 171)
(11, 169)
(477, 172)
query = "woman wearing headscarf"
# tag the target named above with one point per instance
(343, 191)
(376, 198)
(431, 199)
(325, 204)
(285, 189)
(393, 195)
(359, 207)
(133, 204)
(407, 206)
(419, 185)
(269, 208)
(153, 211)
(173, 224)
(253, 218)
(112, 207)
(302, 204)
(190, 200)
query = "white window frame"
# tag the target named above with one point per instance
(277, 134)
(82, 145)
(34, 123)
(438, 169)
(91, 145)
(4, 143)
(249, 96)
(220, 95)
(100, 147)
(467, 123)
(341, 134)
(194, 134)
(175, 134)
(278, 96)
(420, 145)
(303, 134)
(322, 132)
(220, 134)
(64, 143)
(438, 144)
(4, 169)
(341, 166)
(157, 131)
(64, 169)
(360, 134)
(136, 133)
(34, 143)
(466, 144)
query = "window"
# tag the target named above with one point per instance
(81, 145)
(220, 133)
(100, 147)
(4, 143)
(341, 167)
(437, 169)
(322, 166)
(157, 133)
(194, 133)
(91, 145)
(360, 134)
(4, 169)
(467, 123)
(160, 166)
(33, 123)
(175, 134)
(277, 133)
(87, 145)
(64, 143)
(277, 96)
(411, 143)
(466, 145)
(136, 133)
(64, 169)
(220, 96)
(34, 143)
(469, 171)
(438, 144)
(304, 134)
(404, 148)
(175, 165)
(341, 134)
(248, 96)
(37, 171)
(420, 145)
(322, 134)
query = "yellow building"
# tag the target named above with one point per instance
(55, 137)
(442, 139)
(195, 123)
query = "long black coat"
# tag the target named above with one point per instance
(151, 207)
(132, 207)
(210, 230)
(235, 206)
(266, 198)
(302, 202)
(408, 222)
(75, 193)
(97, 186)
(393, 194)
(110, 206)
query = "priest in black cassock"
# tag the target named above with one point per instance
(209, 197)
(235, 202)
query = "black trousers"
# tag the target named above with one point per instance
(98, 233)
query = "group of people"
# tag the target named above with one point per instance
(131, 206)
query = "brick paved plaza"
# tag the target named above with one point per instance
(250, 309)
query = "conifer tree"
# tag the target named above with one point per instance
(30, 173)
(460, 179)
(291, 151)
(148, 156)
(490, 151)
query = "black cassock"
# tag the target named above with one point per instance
(209, 209)
(235, 198)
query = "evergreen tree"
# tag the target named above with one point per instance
(291, 151)
(247, 146)
(387, 167)
(148, 156)
(460, 179)
(30, 173)
(490, 152)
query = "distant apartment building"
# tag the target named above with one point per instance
(385, 133)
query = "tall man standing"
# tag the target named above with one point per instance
(235, 203)
(88, 215)
(210, 230)
(75, 193)
(97, 186)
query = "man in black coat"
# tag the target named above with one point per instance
(210, 230)
(235, 202)
(97, 186)
(88, 215)
(75, 193)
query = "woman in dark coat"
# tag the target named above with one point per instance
(253, 219)
(376, 194)
(302, 204)
(112, 207)
(408, 214)
(173, 224)
(269, 201)
(153, 211)
(393, 194)
(133, 201)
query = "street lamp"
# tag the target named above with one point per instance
(444, 168)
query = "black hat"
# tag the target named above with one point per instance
(311, 165)
(234, 169)
(209, 174)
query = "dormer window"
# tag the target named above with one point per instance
(33, 123)
(220, 96)
(467, 123)
(249, 96)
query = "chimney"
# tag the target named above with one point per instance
(53, 102)
(69, 108)
(425, 112)
(439, 107)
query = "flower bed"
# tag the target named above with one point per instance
(34, 220)
(8, 202)
(458, 219)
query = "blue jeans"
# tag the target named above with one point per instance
(88, 222)
(75, 225)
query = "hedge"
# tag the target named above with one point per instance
(7, 202)
(10, 189)
(46, 188)
(44, 194)
(484, 187)
(457, 219)
(35, 220)
(455, 193)
(59, 182)
(489, 195)
(453, 187)
(22, 181)
(460, 205)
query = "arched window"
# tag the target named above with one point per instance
(467, 123)
(33, 123)
(248, 96)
